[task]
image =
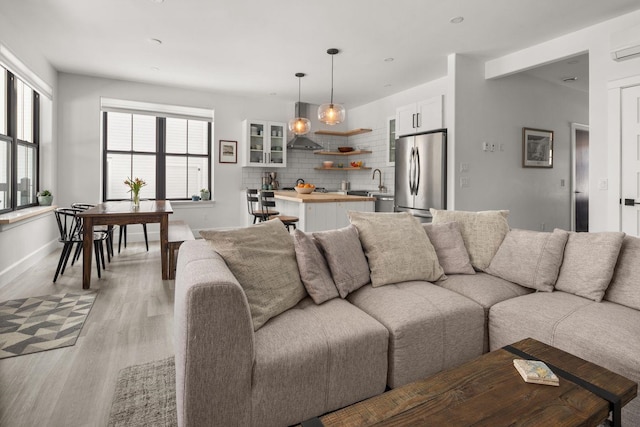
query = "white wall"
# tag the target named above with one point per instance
(495, 111)
(23, 244)
(602, 69)
(80, 135)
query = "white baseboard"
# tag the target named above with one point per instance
(22, 265)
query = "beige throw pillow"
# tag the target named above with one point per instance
(345, 258)
(482, 232)
(449, 246)
(530, 258)
(314, 270)
(589, 260)
(263, 259)
(397, 248)
(625, 285)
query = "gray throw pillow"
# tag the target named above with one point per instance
(625, 285)
(345, 258)
(530, 258)
(314, 271)
(449, 246)
(263, 259)
(589, 261)
(482, 232)
(397, 248)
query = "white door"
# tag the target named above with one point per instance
(631, 160)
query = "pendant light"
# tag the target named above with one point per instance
(299, 125)
(331, 113)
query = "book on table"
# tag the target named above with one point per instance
(535, 371)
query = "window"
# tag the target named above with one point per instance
(172, 155)
(19, 143)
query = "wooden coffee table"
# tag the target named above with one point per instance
(489, 391)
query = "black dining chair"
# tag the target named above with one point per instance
(70, 228)
(255, 208)
(268, 201)
(108, 229)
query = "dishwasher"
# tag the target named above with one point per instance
(383, 203)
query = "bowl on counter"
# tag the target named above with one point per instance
(345, 149)
(304, 190)
(327, 164)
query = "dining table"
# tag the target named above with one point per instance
(121, 213)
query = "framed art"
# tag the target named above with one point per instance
(537, 148)
(228, 152)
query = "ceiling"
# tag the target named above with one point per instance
(254, 47)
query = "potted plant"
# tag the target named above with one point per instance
(205, 194)
(134, 188)
(45, 198)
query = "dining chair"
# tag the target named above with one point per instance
(255, 209)
(267, 201)
(71, 233)
(123, 232)
(108, 229)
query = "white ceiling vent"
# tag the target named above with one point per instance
(626, 44)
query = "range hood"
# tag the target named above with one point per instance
(301, 142)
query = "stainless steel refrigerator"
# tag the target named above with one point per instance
(421, 173)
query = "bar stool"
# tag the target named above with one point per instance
(259, 214)
(267, 200)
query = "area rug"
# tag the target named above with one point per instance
(30, 325)
(145, 395)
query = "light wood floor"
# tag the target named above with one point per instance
(130, 323)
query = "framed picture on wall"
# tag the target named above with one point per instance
(228, 152)
(537, 148)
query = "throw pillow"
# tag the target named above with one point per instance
(530, 258)
(589, 260)
(449, 246)
(262, 257)
(314, 271)
(625, 285)
(397, 248)
(482, 232)
(343, 253)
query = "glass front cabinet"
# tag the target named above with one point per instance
(264, 144)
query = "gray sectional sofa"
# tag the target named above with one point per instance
(254, 351)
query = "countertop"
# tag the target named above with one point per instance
(293, 196)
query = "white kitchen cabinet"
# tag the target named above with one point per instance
(420, 117)
(264, 144)
(391, 141)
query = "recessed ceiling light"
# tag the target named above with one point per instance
(569, 79)
(456, 20)
(155, 41)
(389, 59)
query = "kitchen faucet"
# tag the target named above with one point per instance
(381, 187)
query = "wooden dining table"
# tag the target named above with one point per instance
(121, 213)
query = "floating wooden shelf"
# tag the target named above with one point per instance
(342, 169)
(338, 153)
(347, 133)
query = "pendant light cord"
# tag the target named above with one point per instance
(332, 79)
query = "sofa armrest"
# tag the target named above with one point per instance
(214, 341)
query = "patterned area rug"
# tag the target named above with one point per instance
(145, 395)
(30, 325)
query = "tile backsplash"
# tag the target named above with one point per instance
(301, 164)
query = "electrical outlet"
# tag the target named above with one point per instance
(603, 184)
(464, 182)
(464, 167)
(485, 146)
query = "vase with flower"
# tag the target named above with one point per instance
(134, 188)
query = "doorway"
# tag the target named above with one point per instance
(580, 177)
(630, 160)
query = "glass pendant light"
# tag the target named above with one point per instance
(331, 113)
(299, 125)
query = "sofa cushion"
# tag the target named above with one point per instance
(589, 261)
(316, 358)
(625, 285)
(313, 268)
(343, 252)
(271, 287)
(530, 258)
(397, 248)
(430, 328)
(535, 315)
(449, 245)
(482, 232)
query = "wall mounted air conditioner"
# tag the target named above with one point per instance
(625, 44)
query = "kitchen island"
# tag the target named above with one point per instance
(321, 211)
